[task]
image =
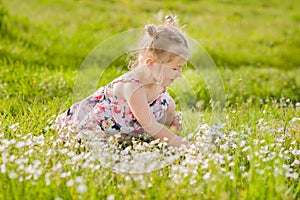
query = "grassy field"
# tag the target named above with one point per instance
(253, 154)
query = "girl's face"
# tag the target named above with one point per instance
(165, 74)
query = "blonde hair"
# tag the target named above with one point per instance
(162, 43)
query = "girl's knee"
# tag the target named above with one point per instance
(171, 107)
(170, 113)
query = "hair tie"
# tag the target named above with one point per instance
(171, 20)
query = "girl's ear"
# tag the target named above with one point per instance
(149, 61)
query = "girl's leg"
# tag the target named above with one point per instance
(171, 118)
(169, 114)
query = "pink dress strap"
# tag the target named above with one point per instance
(126, 78)
(121, 79)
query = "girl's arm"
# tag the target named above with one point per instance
(137, 100)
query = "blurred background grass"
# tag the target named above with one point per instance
(255, 44)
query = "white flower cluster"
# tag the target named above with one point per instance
(217, 153)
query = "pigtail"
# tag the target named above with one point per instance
(151, 30)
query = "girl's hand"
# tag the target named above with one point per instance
(176, 125)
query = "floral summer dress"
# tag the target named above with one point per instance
(104, 112)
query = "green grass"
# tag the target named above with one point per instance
(253, 155)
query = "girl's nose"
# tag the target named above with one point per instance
(179, 72)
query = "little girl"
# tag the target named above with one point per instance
(138, 101)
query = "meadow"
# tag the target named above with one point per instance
(252, 153)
